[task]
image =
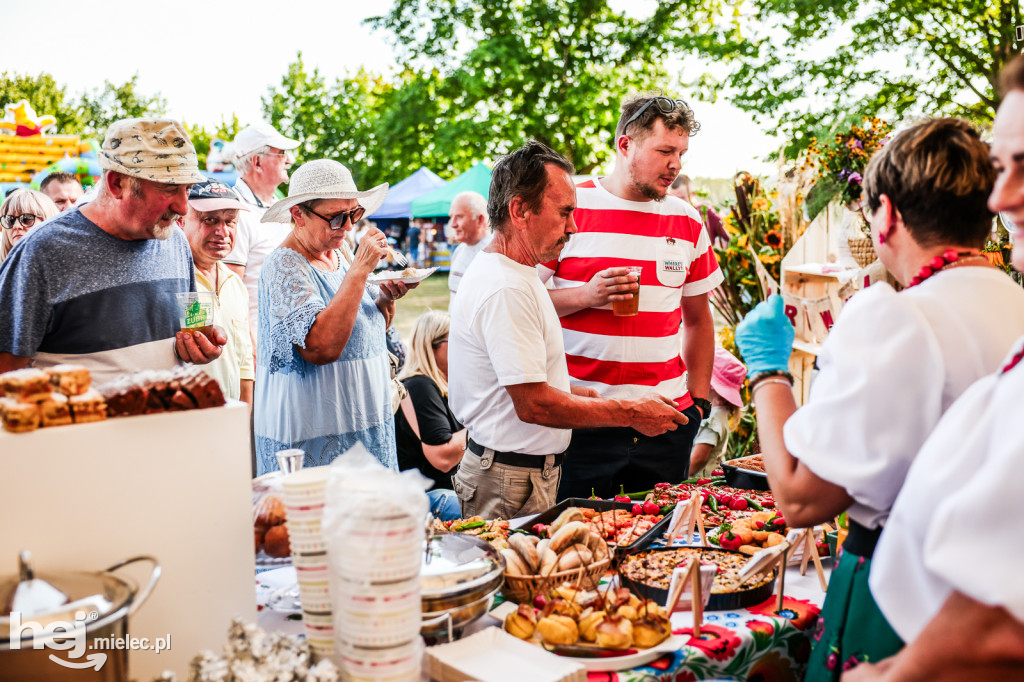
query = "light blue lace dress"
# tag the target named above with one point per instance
(322, 409)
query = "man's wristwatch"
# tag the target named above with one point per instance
(704, 405)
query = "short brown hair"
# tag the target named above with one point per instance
(939, 176)
(60, 177)
(681, 118)
(1012, 76)
(523, 174)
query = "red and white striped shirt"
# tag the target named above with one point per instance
(628, 357)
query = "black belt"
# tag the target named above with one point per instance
(860, 540)
(515, 459)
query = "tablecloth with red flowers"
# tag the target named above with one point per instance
(755, 644)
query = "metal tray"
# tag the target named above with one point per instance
(724, 601)
(748, 479)
(656, 531)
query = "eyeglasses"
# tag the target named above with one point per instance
(338, 221)
(26, 220)
(288, 156)
(666, 105)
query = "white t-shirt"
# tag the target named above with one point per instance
(254, 241)
(956, 523)
(892, 364)
(463, 256)
(504, 331)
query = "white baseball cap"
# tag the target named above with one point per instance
(261, 135)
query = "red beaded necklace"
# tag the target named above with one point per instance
(948, 258)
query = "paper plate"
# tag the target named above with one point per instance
(673, 643)
(400, 276)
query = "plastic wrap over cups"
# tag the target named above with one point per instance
(374, 526)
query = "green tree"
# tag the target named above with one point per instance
(551, 70)
(98, 109)
(894, 58)
(333, 121)
(45, 95)
(201, 137)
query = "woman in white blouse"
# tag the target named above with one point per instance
(949, 561)
(892, 364)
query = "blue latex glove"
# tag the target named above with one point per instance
(765, 337)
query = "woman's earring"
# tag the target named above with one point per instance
(881, 237)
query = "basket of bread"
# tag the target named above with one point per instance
(572, 553)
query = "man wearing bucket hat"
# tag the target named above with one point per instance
(210, 225)
(727, 377)
(97, 286)
(323, 378)
(262, 159)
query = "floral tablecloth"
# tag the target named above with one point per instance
(747, 644)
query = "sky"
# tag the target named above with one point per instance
(226, 54)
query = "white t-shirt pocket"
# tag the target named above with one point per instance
(673, 258)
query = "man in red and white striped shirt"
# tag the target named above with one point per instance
(627, 219)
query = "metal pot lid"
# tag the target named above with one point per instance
(48, 597)
(456, 562)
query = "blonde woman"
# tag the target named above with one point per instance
(429, 436)
(20, 212)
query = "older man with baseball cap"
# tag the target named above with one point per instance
(97, 286)
(262, 158)
(210, 226)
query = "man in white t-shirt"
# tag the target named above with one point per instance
(262, 157)
(468, 214)
(508, 380)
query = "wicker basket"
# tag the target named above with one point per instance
(522, 589)
(863, 251)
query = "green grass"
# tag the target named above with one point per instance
(431, 294)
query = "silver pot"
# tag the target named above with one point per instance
(94, 607)
(459, 578)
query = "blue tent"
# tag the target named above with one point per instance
(401, 194)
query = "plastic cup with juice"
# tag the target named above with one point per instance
(196, 312)
(632, 306)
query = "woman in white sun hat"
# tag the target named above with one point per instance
(322, 372)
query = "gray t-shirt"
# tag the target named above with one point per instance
(73, 293)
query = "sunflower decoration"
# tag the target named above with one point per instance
(841, 163)
(754, 229)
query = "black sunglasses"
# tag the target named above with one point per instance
(338, 221)
(26, 219)
(666, 105)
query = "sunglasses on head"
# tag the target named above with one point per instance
(338, 221)
(26, 220)
(665, 105)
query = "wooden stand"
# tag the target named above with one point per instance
(684, 518)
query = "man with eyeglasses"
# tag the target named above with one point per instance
(262, 159)
(97, 286)
(628, 219)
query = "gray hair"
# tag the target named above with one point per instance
(243, 164)
(523, 174)
(476, 202)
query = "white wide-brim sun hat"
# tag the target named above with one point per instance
(323, 179)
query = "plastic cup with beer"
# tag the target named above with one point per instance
(632, 306)
(196, 312)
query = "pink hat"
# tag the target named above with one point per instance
(727, 376)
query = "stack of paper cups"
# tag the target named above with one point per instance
(376, 591)
(304, 492)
